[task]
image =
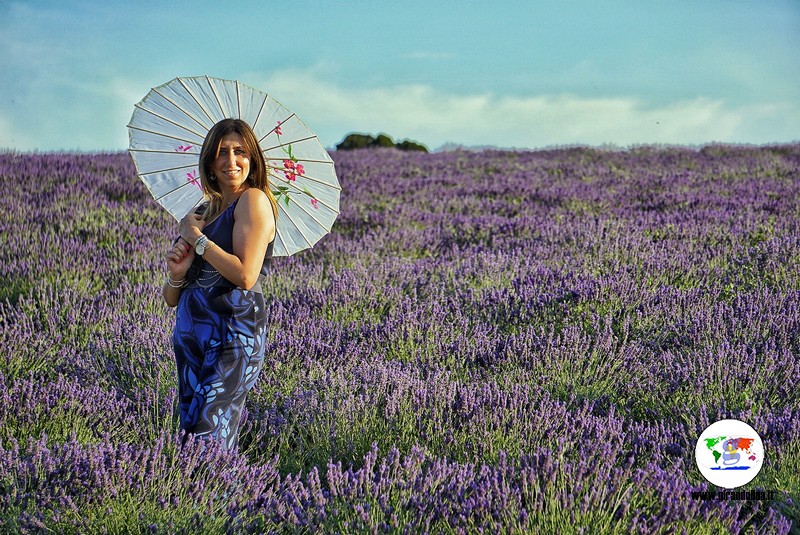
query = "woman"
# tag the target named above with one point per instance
(215, 271)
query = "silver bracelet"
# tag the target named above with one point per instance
(175, 284)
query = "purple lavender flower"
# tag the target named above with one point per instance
(496, 342)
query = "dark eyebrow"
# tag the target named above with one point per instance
(235, 147)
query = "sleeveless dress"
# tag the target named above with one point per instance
(218, 340)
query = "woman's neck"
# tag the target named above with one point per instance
(229, 197)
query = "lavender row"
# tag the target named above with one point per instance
(477, 307)
(198, 488)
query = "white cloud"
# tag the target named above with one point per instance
(93, 115)
(434, 117)
(68, 114)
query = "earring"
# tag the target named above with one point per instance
(212, 178)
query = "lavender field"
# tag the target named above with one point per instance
(487, 342)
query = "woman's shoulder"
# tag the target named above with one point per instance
(253, 197)
(253, 193)
(253, 200)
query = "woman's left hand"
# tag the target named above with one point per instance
(191, 227)
(179, 258)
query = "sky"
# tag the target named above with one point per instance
(505, 73)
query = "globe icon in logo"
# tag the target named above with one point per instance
(729, 453)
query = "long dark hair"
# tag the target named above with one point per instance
(259, 172)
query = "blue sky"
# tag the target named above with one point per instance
(505, 73)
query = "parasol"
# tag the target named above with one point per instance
(169, 125)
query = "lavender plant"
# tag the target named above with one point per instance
(495, 341)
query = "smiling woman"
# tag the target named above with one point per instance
(232, 162)
(215, 270)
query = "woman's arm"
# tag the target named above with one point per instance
(253, 229)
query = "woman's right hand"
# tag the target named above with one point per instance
(179, 258)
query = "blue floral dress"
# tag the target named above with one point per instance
(219, 340)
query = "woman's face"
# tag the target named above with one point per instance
(232, 165)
